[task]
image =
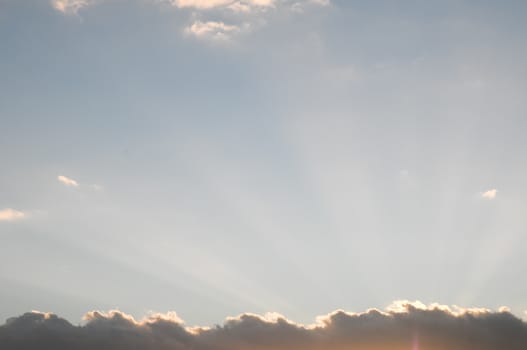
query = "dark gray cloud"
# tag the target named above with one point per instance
(402, 326)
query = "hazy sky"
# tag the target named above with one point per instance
(214, 157)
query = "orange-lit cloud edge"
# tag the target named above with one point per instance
(402, 325)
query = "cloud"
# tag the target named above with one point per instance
(9, 214)
(96, 187)
(299, 6)
(212, 29)
(70, 7)
(321, 2)
(249, 14)
(490, 194)
(432, 326)
(239, 7)
(67, 181)
(201, 4)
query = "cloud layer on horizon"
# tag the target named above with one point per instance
(401, 326)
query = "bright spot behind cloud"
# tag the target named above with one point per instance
(9, 214)
(490, 194)
(67, 181)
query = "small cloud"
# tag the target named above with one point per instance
(212, 29)
(262, 3)
(490, 194)
(96, 187)
(9, 214)
(297, 7)
(239, 7)
(70, 7)
(404, 173)
(201, 4)
(321, 2)
(67, 181)
(212, 4)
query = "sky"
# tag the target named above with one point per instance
(219, 157)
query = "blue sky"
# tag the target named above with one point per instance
(218, 157)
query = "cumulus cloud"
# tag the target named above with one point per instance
(67, 181)
(401, 326)
(70, 7)
(212, 29)
(9, 214)
(490, 194)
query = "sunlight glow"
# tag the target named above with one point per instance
(415, 345)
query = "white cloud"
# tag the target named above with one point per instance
(96, 187)
(201, 4)
(212, 29)
(263, 3)
(490, 194)
(297, 7)
(239, 7)
(249, 12)
(321, 2)
(67, 181)
(9, 214)
(70, 7)
(211, 4)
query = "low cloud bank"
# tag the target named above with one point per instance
(403, 325)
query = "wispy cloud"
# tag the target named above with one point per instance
(490, 194)
(209, 4)
(96, 187)
(9, 214)
(434, 326)
(249, 13)
(70, 7)
(67, 181)
(239, 7)
(299, 6)
(321, 2)
(201, 4)
(212, 29)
